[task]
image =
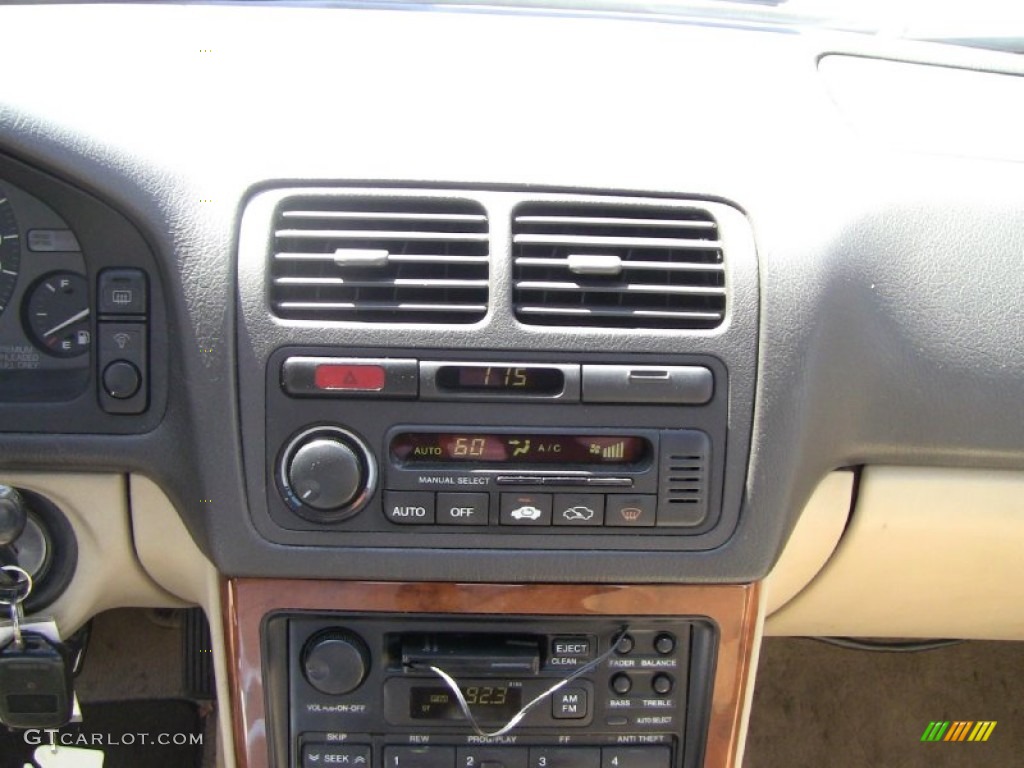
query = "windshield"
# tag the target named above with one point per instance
(995, 24)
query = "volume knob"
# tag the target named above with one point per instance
(327, 474)
(335, 662)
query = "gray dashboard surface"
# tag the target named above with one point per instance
(891, 324)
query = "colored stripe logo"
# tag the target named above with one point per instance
(958, 730)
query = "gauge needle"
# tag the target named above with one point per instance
(70, 321)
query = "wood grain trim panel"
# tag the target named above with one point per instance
(246, 601)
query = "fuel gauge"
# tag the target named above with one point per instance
(56, 314)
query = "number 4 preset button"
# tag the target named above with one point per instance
(636, 757)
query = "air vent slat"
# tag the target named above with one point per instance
(618, 265)
(589, 241)
(369, 234)
(379, 306)
(393, 283)
(618, 313)
(607, 221)
(682, 290)
(380, 259)
(392, 258)
(383, 216)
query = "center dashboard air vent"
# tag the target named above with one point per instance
(380, 259)
(617, 266)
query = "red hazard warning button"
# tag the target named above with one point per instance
(363, 378)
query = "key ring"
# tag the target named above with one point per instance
(14, 605)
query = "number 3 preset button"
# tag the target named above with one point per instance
(409, 507)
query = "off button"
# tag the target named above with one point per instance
(409, 507)
(462, 508)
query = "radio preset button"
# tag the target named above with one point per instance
(409, 507)
(565, 757)
(419, 757)
(631, 510)
(462, 508)
(636, 757)
(526, 509)
(579, 509)
(490, 757)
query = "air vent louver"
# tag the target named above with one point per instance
(380, 259)
(617, 266)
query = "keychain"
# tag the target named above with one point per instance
(36, 688)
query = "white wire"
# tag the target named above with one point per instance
(453, 684)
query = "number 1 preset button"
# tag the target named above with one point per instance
(419, 757)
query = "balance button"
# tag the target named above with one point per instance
(579, 509)
(462, 508)
(409, 507)
(348, 755)
(526, 509)
(636, 757)
(565, 757)
(569, 704)
(664, 644)
(631, 510)
(491, 757)
(419, 757)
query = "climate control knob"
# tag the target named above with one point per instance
(327, 474)
(335, 662)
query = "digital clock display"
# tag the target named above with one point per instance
(528, 380)
(488, 702)
(444, 447)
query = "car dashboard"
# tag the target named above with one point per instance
(551, 349)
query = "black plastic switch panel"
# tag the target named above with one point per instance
(123, 367)
(122, 292)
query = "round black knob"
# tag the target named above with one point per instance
(328, 474)
(664, 644)
(662, 684)
(13, 514)
(335, 662)
(622, 684)
(121, 379)
(625, 645)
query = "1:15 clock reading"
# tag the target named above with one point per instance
(501, 378)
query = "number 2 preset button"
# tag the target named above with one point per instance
(409, 507)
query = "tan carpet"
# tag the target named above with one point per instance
(816, 705)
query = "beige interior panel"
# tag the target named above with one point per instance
(928, 553)
(108, 574)
(812, 542)
(172, 559)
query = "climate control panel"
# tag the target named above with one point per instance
(481, 450)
